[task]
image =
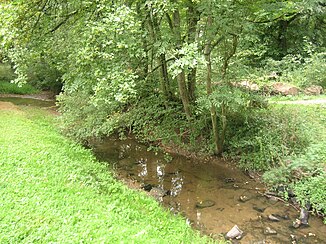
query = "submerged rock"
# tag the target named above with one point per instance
(205, 204)
(229, 180)
(234, 233)
(304, 215)
(270, 231)
(296, 224)
(147, 187)
(259, 209)
(158, 193)
(303, 219)
(243, 198)
(271, 217)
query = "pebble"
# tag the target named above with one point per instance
(205, 204)
(273, 218)
(269, 231)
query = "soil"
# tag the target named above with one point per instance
(8, 106)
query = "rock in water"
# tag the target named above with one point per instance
(273, 218)
(234, 233)
(269, 231)
(304, 215)
(205, 204)
(158, 193)
(296, 223)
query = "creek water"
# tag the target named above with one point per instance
(236, 198)
(232, 198)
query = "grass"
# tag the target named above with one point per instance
(54, 191)
(12, 88)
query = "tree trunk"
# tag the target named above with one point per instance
(181, 78)
(207, 54)
(192, 19)
(155, 32)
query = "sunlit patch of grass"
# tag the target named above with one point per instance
(12, 88)
(53, 190)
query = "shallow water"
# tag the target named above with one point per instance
(28, 101)
(192, 182)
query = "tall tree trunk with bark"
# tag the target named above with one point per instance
(209, 90)
(181, 77)
(193, 16)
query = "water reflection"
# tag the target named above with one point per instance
(143, 168)
(177, 183)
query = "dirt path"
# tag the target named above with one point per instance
(44, 96)
(304, 102)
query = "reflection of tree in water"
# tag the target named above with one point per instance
(143, 172)
(124, 150)
(160, 172)
(177, 183)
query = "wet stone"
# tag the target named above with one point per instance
(269, 231)
(229, 180)
(244, 198)
(271, 217)
(234, 233)
(304, 215)
(296, 224)
(147, 187)
(259, 209)
(205, 204)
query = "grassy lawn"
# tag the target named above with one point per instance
(12, 88)
(54, 191)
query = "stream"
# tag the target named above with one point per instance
(213, 195)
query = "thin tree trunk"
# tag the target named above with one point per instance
(181, 77)
(192, 20)
(207, 53)
(155, 32)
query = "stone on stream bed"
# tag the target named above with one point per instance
(271, 217)
(244, 198)
(269, 231)
(303, 219)
(234, 233)
(205, 204)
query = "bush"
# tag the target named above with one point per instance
(263, 138)
(6, 73)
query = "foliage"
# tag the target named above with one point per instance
(304, 172)
(51, 195)
(6, 73)
(266, 137)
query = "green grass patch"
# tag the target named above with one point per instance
(55, 191)
(12, 88)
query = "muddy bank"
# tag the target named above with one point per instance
(213, 195)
